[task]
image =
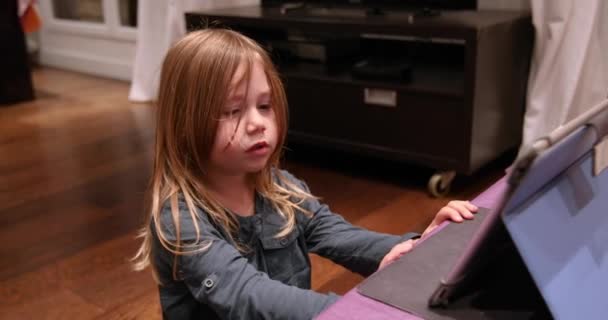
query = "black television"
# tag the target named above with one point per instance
(396, 4)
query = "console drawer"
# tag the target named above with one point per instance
(414, 124)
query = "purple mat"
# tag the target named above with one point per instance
(354, 306)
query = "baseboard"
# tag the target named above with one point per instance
(87, 63)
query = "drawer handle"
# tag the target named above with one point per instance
(380, 97)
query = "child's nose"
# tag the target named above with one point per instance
(255, 121)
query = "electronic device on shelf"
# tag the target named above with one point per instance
(324, 48)
(383, 69)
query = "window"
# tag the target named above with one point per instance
(113, 19)
(79, 10)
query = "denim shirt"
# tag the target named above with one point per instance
(272, 279)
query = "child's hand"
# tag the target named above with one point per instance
(397, 251)
(456, 211)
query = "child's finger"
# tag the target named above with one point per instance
(465, 212)
(396, 252)
(428, 230)
(462, 209)
(470, 206)
(403, 247)
(453, 214)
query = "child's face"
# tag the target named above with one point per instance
(247, 130)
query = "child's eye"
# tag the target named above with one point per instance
(232, 112)
(264, 107)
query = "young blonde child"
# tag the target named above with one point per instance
(229, 232)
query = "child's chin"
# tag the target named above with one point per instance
(255, 168)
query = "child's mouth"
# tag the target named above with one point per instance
(259, 148)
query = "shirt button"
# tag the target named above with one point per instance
(258, 222)
(283, 241)
(208, 283)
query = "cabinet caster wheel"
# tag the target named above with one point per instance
(440, 183)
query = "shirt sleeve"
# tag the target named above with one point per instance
(221, 278)
(330, 235)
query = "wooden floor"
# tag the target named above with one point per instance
(74, 165)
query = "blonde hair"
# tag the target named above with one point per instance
(194, 85)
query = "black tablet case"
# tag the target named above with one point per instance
(502, 289)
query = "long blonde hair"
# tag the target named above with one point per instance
(194, 85)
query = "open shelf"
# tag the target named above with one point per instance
(426, 79)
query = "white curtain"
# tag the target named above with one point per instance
(160, 24)
(569, 70)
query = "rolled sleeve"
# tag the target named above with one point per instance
(357, 249)
(330, 235)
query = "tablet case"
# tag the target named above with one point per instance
(503, 290)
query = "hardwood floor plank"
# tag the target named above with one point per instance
(58, 305)
(144, 307)
(99, 262)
